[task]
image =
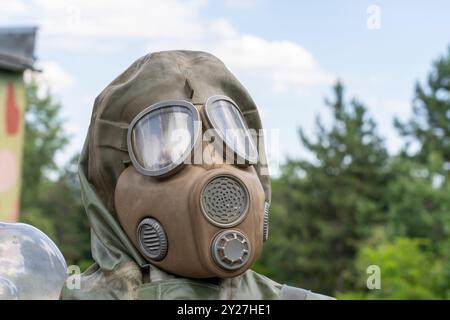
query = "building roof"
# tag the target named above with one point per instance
(17, 48)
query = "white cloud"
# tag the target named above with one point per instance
(12, 8)
(173, 24)
(53, 76)
(58, 78)
(240, 4)
(172, 19)
(286, 65)
(82, 44)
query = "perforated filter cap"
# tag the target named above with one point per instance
(231, 249)
(224, 200)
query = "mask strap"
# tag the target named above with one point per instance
(113, 135)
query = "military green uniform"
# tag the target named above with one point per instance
(120, 271)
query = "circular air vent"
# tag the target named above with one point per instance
(231, 249)
(152, 239)
(224, 201)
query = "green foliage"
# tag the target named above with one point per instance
(61, 202)
(321, 209)
(43, 138)
(430, 124)
(409, 270)
(354, 205)
(419, 203)
(51, 204)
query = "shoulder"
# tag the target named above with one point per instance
(293, 293)
(96, 283)
(270, 289)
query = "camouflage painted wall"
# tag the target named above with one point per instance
(12, 107)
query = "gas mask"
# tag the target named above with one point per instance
(192, 207)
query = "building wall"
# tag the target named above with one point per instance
(12, 109)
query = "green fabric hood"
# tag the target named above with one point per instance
(188, 75)
(119, 271)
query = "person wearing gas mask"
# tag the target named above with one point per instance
(174, 181)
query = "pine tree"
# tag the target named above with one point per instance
(429, 128)
(323, 208)
(419, 196)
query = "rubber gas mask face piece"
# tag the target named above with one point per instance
(193, 218)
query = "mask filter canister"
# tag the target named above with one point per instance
(231, 249)
(224, 201)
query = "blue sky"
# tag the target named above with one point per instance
(287, 53)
